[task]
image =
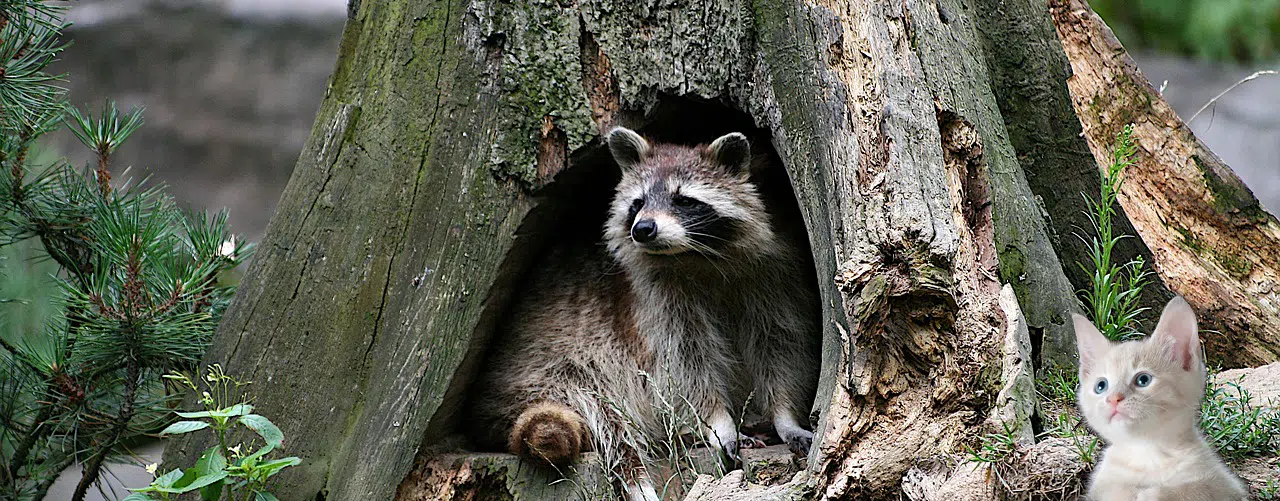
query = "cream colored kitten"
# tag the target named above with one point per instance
(1143, 398)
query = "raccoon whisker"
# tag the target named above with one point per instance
(704, 249)
(708, 235)
(707, 251)
(693, 223)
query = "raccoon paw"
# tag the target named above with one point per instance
(732, 449)
(799, 442)
(749, 442)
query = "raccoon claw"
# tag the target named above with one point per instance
(798, 440)
(800, 444)
(732, 449)
(729, 450)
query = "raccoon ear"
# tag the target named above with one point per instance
(1091, 344)
(731, 150)
(628, 148)
(1177, 328)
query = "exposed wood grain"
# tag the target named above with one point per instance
(1213, 243)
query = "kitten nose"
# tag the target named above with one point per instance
(644, 231)
(1115, 398)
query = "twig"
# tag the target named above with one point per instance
(1255, 74)
(104, 173)
(37, 431)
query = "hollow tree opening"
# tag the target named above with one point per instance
(572, 210)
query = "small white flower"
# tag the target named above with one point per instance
(228, 248)
(151, 468)
(235, 450)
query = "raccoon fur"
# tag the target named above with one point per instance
(693, 286)
(567, 375)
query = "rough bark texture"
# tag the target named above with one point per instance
(417, 203)
(930, 214)
(1027, 73)
(1214, 243)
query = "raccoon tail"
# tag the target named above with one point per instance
(549, 432)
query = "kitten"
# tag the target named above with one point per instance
(1143, 397)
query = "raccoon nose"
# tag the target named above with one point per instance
(644, 231)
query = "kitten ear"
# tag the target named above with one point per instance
(1177, 328)
(1090, 343)
(732, 151)
(628, 148)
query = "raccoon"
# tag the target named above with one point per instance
(725, 298)
(693, 287)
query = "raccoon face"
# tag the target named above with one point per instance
(677, 200)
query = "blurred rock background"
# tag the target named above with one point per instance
(231, 88)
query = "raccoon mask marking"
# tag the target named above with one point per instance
(677, 200)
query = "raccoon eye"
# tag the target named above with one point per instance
(637, 204)
(1142, 380)
(1100, 386)
(683, 201)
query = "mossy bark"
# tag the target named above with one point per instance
(407, 223)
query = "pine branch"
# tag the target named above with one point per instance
(42, 488)
(37, 431)
(17, 356)
(103, 174)
(94, 467)
(4, 343)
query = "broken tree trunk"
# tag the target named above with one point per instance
(1214, 242)
(918, 148)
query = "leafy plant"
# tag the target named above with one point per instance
(1058, 385)
(1068, 425)
(1235, 425)
(1271, 490)
(222, 472)
(993, 447)
(138, 291)
(1114, 288)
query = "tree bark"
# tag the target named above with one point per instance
(1215, 243)
(926, 142)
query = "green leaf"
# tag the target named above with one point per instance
(265, 496)
(188, 477)
(211, 461)
(204, 481)
(262, 426)
(233, 411)
(181, 427)
(274, 466)
(167, 479)
(138, 496)
(212, 491)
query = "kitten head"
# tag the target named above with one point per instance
(1148, 389)
(676, 203)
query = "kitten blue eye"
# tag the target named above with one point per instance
(1142, 380)
(1101, 386)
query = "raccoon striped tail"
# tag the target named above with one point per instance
(550, 433)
